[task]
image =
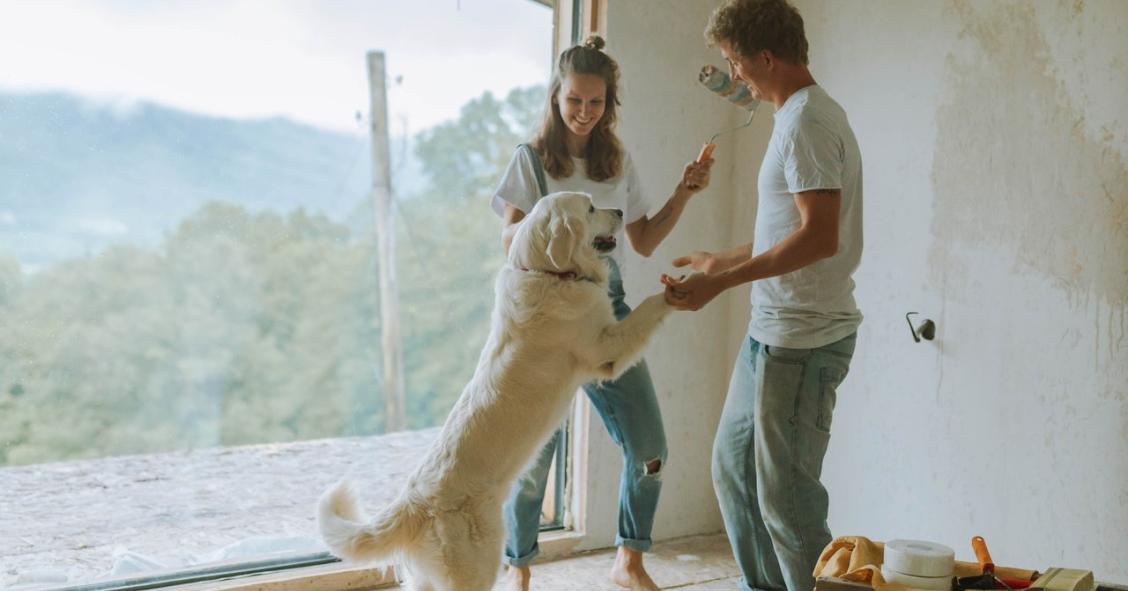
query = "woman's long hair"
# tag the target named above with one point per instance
(604, 152)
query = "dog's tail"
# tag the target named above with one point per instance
(350, 536)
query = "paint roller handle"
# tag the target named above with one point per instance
(706, 152)
(979, 545)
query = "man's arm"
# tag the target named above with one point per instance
(715, 262)
(814, 240)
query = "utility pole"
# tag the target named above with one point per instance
(386, 243)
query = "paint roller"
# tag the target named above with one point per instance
(731, 90)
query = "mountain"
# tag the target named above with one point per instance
(78, 175)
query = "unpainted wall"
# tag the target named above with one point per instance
(995, 142)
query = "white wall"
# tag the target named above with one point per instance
(994, 136)
(666, 116)
(995, 142)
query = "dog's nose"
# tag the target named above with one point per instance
(617, 212)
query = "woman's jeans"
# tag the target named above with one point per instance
(767, 459)
(629, 409)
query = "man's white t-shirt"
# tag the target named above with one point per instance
(812, 147)
(518, 187)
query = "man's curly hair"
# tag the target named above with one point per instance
(750, 26)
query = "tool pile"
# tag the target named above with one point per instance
(929, 566)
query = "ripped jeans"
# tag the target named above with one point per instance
(629, 409)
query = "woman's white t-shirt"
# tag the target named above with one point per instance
(518, 187)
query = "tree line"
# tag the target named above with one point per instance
(251, 326)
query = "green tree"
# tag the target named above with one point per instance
(451, 247)
(463, 158)
(249, 326)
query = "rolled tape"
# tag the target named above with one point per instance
(930, 583)
(919, 558)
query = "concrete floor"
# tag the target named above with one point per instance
(73, 519)
(76, 520)
(699, 563)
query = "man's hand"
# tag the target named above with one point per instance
(705, 262)
(691, 293)
(695, 177)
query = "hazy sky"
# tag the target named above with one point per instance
(302, 59)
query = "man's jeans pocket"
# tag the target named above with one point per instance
(787, 355)
(829, 379)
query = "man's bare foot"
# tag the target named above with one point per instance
(517, 578)
(629, 573)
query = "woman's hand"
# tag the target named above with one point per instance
(695, 177)
(705, 262)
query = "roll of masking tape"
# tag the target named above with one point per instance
(918, 558)
(929, 583)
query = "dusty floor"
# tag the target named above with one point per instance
(83, 520)
(699, 563)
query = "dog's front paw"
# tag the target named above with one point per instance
(659, 303)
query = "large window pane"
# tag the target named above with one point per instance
(189, 297)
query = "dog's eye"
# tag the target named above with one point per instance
(591, 209)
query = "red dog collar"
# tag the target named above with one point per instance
(565, 276)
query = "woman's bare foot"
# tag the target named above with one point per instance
(629, 573)
(517, 578)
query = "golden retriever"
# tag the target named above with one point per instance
(552, 330)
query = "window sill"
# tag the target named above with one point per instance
(79, 522)
(77, 517)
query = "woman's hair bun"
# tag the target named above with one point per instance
(594, 42)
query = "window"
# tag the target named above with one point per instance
(190, 314)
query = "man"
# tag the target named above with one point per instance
(768, 453)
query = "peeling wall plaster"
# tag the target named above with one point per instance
(995, 141)
(1014, 167)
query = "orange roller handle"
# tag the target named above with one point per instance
(979, 545)
(706, 152)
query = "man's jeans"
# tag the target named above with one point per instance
(767, 459)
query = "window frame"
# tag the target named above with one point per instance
(573, 20)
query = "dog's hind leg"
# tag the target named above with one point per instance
(420, 576)
(415, 584)
(473, 572)
(620, 345)
(472, 548)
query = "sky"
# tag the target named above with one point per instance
(302, 59)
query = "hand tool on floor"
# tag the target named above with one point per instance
(1064, 579)
(987, 580)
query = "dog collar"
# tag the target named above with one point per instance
(565, 276)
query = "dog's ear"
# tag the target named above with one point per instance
(528, 248)
(565, 233)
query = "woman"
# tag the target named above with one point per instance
(576, 149)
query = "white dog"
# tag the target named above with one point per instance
(552, 330)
